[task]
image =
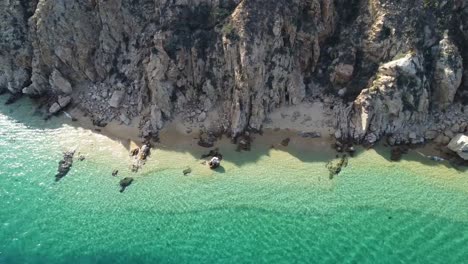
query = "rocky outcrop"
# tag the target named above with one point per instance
(381, 67)
(65, 165)
(398, 97)
(459, 144)
(158, 59)
(15, 44)
(448, 72)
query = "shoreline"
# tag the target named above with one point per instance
(174, 136)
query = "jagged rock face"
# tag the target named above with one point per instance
(399, 95)
(448, 72)
(274, 58)
(238, 58)
(15, 47)
(228, 63)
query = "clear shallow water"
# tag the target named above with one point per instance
(265, 206)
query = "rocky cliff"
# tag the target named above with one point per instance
(391, 67)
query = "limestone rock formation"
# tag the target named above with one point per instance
(397, 97)
(383, 67)
(448, 73)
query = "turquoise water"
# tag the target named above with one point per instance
(268, 205)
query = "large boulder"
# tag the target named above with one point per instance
(459, 144)
(65, 164)
(125, 182)
(54, 108)
(61, 103)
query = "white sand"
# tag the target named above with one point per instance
(306, 117)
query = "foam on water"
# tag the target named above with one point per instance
(267, 205)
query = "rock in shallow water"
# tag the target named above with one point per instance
(397, 153)
(335, 168)
(54, 108)
(285, 142)
(65, 165)
(62, 102)
(459, 144)
(125, 182)
(187, 171)
(310, 134)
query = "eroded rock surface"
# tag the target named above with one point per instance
(380, 67)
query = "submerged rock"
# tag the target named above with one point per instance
(335, 168)
(13, 98)
(125, 182)
(187, 171)
(310, 134)
(436, 158)
(285, 142)
(65, 165)
(397, 153)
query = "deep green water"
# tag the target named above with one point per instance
(265, 206)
